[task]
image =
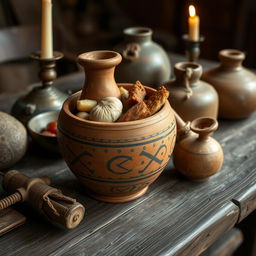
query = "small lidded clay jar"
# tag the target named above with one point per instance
(235, 85)
(189, 96)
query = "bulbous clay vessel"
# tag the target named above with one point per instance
(197, 155)
(116, 162)
(13, 140)
(189, 96)
(99, 69)
(143, 59)
(235, 85)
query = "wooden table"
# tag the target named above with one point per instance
(175, 216)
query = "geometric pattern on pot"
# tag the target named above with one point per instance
(118, 161)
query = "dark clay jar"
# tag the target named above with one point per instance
(143, 59)
(235, 85)
(190, 97)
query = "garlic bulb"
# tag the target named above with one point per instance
(108, 109)
(83, 115)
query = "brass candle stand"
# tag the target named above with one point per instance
(192, 48)
(41, 98)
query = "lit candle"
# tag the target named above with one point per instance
(193, 24)
(46, 29)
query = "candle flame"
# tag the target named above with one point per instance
(192, 11)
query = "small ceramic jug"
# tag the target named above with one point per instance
(235, 85)
(99, 67)
(189, 96)
(197, 155)
(143, 59)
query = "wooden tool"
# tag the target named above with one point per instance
(47, 200)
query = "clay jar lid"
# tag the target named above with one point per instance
(180, 69)
(231, 58)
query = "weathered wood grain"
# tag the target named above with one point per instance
(246, 201)
(10, 219)
(175, 217)
(226, 245)
(186, 193)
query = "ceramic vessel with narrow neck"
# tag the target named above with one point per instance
(143, 59)
(197, 155)
(235, 85)
(99, 69)
(190, 97)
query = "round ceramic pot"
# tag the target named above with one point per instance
(235, 85)
(143, 59)
(190, 97)
(197, 155)
(116, 162)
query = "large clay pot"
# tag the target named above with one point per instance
(197, 155)
(116, 162)
(143, 59)
(190, 97)
(235, 85)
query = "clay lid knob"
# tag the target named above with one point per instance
(231, 58)
(204, 126)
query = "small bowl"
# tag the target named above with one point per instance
(37, 124)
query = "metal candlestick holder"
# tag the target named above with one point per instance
(192, 48)
(41, 98)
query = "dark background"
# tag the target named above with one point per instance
(82, 25)
(90, 24)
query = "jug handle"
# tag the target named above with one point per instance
(188, 89)
(132, 51)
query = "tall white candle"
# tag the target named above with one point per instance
(46, 30)
(193, 24)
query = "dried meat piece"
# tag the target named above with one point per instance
(137, 94)
(138, 111)
(157, 100)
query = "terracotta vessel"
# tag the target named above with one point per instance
(143, 59)
(189, 96)
(197, 155)
(235, 85)
(99, 67)
(116, 162)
